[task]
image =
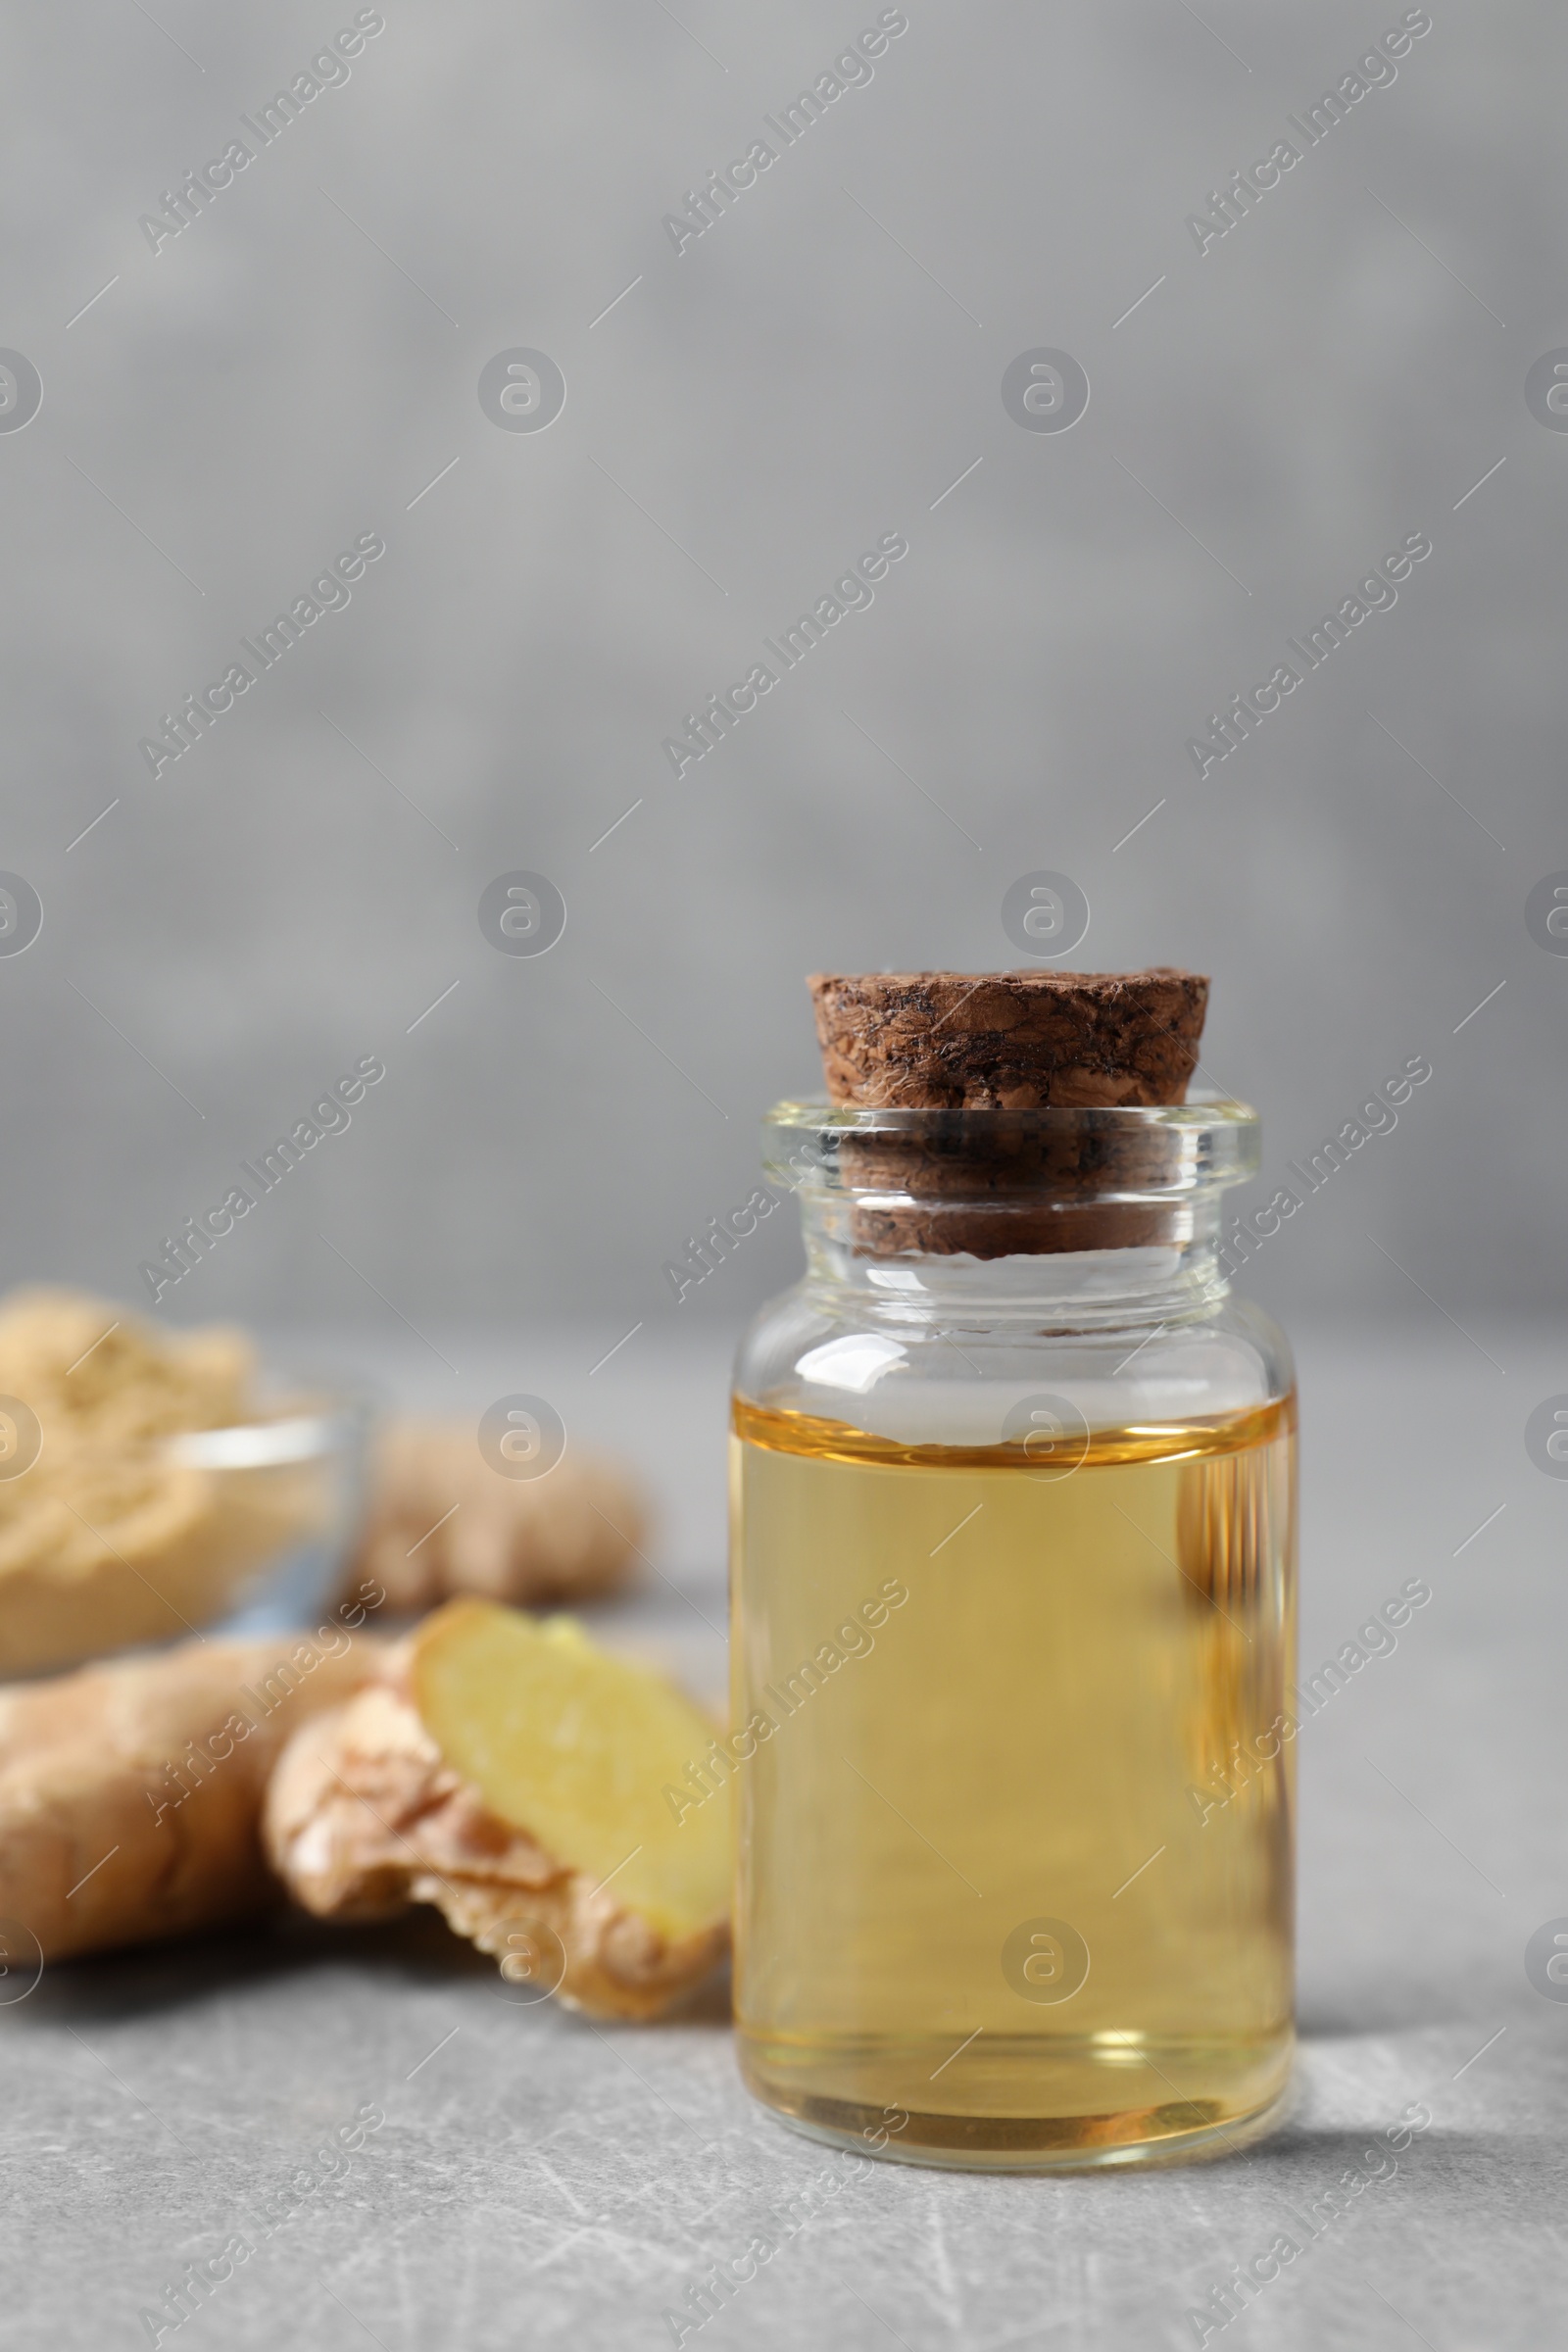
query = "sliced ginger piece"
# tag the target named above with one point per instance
(576, 1747)
(512, 1773)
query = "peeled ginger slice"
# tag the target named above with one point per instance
(514, 1774)
(576, 1747)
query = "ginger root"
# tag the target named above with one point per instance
(513, 1775)
(130, 1793)
(442, 1521)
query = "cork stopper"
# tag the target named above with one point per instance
(1090, 1041)
(1008, 1041)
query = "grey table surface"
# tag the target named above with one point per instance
(540, 2181)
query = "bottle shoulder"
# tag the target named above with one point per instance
(917, 1379)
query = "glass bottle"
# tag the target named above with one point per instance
(1012, 1644)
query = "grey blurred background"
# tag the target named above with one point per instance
(743, 417)
(301, 366)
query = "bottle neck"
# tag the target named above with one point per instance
(1179, 1278)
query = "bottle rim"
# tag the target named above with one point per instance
(1085, 1153)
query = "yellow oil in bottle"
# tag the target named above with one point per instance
(1001, 1872)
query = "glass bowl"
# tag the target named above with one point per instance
(229, 1532)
